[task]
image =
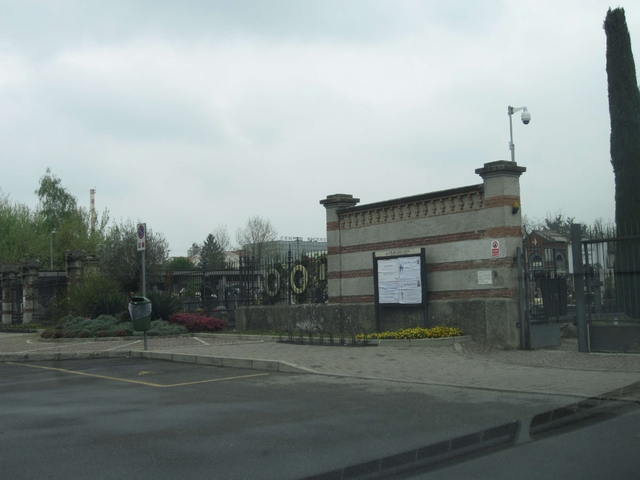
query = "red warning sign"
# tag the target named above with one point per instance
(495, 248)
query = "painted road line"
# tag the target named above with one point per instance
(196, 338)
(138, 382)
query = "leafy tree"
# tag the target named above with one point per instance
(121, 262)
(180, 263)
(211, 253)
(56, 203)
(27, 234)
(58, 212)
(624, 110)
(256, 237)
(17, 226)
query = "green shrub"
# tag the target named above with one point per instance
(102, 333)
(163, 305)
(70, 334)
(58, 334)
(121, 333)
(83, 334)
(47, 334)
(160, 327)
(93, 296)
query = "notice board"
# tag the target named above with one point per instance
(400, 280)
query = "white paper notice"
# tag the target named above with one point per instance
(388, 270)
(409, 268)
(388, 292)
(410, 292)
(400, 280)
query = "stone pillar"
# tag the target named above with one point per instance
(332, 204)
(74, 261)
(90, 264)
(9, 276)
(30, 306)
(503, 218)
(502, 192)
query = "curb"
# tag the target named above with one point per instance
(231, 362)
(248, 363)
(421, 342)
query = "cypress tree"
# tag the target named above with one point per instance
(624, 110)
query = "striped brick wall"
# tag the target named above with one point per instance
(455, 227)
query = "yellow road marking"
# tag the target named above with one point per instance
(148, 384)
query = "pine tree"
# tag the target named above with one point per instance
(211, 254)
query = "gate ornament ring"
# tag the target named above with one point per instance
(272, 278)
(299, 282)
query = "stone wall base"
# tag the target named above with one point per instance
(488, 321)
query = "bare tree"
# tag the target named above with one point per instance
(222, 237)
(256, 237)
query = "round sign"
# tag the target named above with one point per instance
(494, 244)
(140, 231)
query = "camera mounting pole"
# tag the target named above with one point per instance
(526, 118)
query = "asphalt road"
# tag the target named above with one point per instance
(606, 449)
(126, 418)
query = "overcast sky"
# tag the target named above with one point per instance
(190, 114)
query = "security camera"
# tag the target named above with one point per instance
(526, 117)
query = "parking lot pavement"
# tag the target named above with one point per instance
(121, 418)
(561, 371)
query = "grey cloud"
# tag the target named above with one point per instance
(135, 115)
(41, 29)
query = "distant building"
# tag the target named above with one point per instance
(193, 253)
(299, 246)
(547, 250)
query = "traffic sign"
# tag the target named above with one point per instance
(141, 231)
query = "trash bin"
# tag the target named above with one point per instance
(140, 311)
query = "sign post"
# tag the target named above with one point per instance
(141, 233)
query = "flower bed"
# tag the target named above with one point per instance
(415, 333)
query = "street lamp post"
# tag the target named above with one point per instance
(526, 118)
(53, 232)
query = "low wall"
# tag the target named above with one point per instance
(332, 318)
(487, 320)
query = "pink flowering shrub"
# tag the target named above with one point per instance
(194, 322)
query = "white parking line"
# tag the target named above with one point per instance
(121, 346)
(57, 345)
(201, 341)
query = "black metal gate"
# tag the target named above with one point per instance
(16, 301)
(608, 292)
(48, 286)
(542, 275)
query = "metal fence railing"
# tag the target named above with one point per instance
(283, 280)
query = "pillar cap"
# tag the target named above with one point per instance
(9, 269)
(27, 264)
(338, 200)
(500, 168)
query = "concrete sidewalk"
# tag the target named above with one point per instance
(561, 371)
